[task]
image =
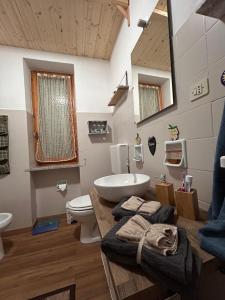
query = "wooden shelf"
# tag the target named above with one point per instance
(213, 8)
(52, 167)
(98, 133)
(118, 94)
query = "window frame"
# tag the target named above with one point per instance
(160, 92)
(73, 121)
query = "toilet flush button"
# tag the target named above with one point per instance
(222, 161)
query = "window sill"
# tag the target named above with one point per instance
(52, 167)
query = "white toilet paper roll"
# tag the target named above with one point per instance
(61, 187)
(222, 161)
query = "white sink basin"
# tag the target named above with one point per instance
(114, 187)
(5, 220)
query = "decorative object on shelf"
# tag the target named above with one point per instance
(120, 92)
(175, 153)
(222, 79)
(163, 178)
(174, 132)
(213, 8)
(152, 145)
(138, 139)
(97, 127)
(138, 153)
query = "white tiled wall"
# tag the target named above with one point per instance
(199, 52)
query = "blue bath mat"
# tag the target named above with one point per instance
(45, 226)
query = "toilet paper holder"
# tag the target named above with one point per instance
(61, 185)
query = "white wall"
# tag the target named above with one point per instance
(27, 195)
(127, 38)
(167, 93)
(181, 11)
(91, 79)
(199, 47)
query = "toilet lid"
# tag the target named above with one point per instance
(81, 203)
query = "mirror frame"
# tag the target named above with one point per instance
(170, 27)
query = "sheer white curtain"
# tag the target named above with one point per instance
(56, 137)
(149, 100)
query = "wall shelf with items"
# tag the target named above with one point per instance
(97, 127)
(121, 91)
(118, 94)
(39, 168)
(213, 8)
(175, 153)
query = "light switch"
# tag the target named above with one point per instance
(199, 89)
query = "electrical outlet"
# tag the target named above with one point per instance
(199, 89)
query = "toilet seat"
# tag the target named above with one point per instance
(82, 203)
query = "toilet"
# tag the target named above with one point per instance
(81, 208)
(82, 211)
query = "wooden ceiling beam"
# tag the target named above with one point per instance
(123, 7)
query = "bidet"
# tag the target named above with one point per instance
(5, 220)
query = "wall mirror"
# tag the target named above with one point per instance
(152, 65)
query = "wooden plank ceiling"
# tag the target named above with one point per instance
(79, 27)
(162, 5)
(153, 49)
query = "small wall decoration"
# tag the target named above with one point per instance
(222, 79)
(174, 132)
(152, 144)
(138, 139)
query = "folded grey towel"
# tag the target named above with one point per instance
(3, 125)
(165, 214)
(177, 272)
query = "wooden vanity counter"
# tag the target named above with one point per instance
(131, 283)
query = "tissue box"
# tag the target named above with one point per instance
(165, 193)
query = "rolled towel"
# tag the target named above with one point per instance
(161, 238)
(138, 204)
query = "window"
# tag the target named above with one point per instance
(54, 118)
(150, 99)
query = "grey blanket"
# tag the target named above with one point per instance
(178, 272)
(164, 215)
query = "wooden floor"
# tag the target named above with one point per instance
(35, 265)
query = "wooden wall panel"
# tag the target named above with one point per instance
(79, 27)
